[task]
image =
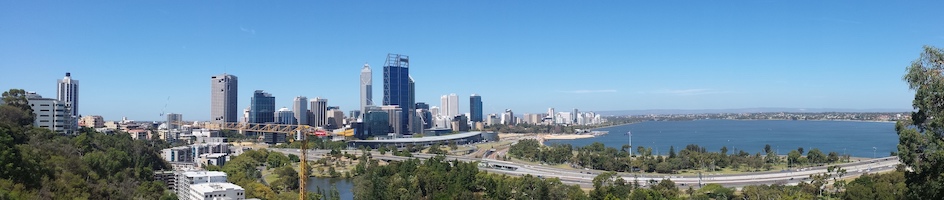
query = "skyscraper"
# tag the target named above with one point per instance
(223, 97)
(262, 108)
(397, 89)
(508, 117)
(68, 93)
(319, 112)
(475, 108)
(367, 88)
(300, 109)
(573, 117)
(450, 105)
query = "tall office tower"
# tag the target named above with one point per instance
(68, 93)
(415, 125)
(573, 116)
(551, 114)
(285, 116)
(397, 89)
(508, 117)
(174, 120)
(453, 105)
(262, 108)
(335, 118)
(394, 118)
(319, 112)
(246, 114)
(444, 105)
(367, 88)
(223, 97)
(475, 108)
(450, 105)
(300, 109)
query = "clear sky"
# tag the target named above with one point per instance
(132, 56)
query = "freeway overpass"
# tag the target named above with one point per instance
(584, 178)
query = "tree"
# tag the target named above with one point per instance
(288, 179)
(816, 156)
(671, 151)
(832, 157)
(17, 99)
(920, 140)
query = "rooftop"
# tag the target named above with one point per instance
(204, 173)
(204, 188)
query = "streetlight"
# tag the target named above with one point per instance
(873, 152)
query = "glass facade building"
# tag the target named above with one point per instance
(262, 109)
(475, 108)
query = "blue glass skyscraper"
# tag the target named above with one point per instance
(475, 108)
(262, 108)
(397, 90)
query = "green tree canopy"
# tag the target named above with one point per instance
(921, 139)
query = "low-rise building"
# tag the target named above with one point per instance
(214, 191)
(199, 185)
(93, 121)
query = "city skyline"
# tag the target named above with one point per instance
(702, 55)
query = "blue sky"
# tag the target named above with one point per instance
(130, 56)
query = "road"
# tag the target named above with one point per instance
(584, 178)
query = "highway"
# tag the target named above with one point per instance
(584, 178)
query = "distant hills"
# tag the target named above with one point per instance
(742, 110)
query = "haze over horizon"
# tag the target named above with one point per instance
(133, 58)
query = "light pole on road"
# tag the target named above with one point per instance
(873, 152)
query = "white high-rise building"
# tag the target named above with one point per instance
(450, 105)
(246, 114)
(300, 109)
(68, 93)
(367, 89)
(319, 112)
(551, 114)
(508, 117)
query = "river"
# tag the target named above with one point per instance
(852, 137)
(345, 186)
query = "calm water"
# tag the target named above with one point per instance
(345, 186)
(855, 138)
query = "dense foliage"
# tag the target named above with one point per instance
(598, 156)
(437, 178)
(244, 170)
(921, 139)
(36, 163)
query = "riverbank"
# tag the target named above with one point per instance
(565, 136)
(615, 125)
